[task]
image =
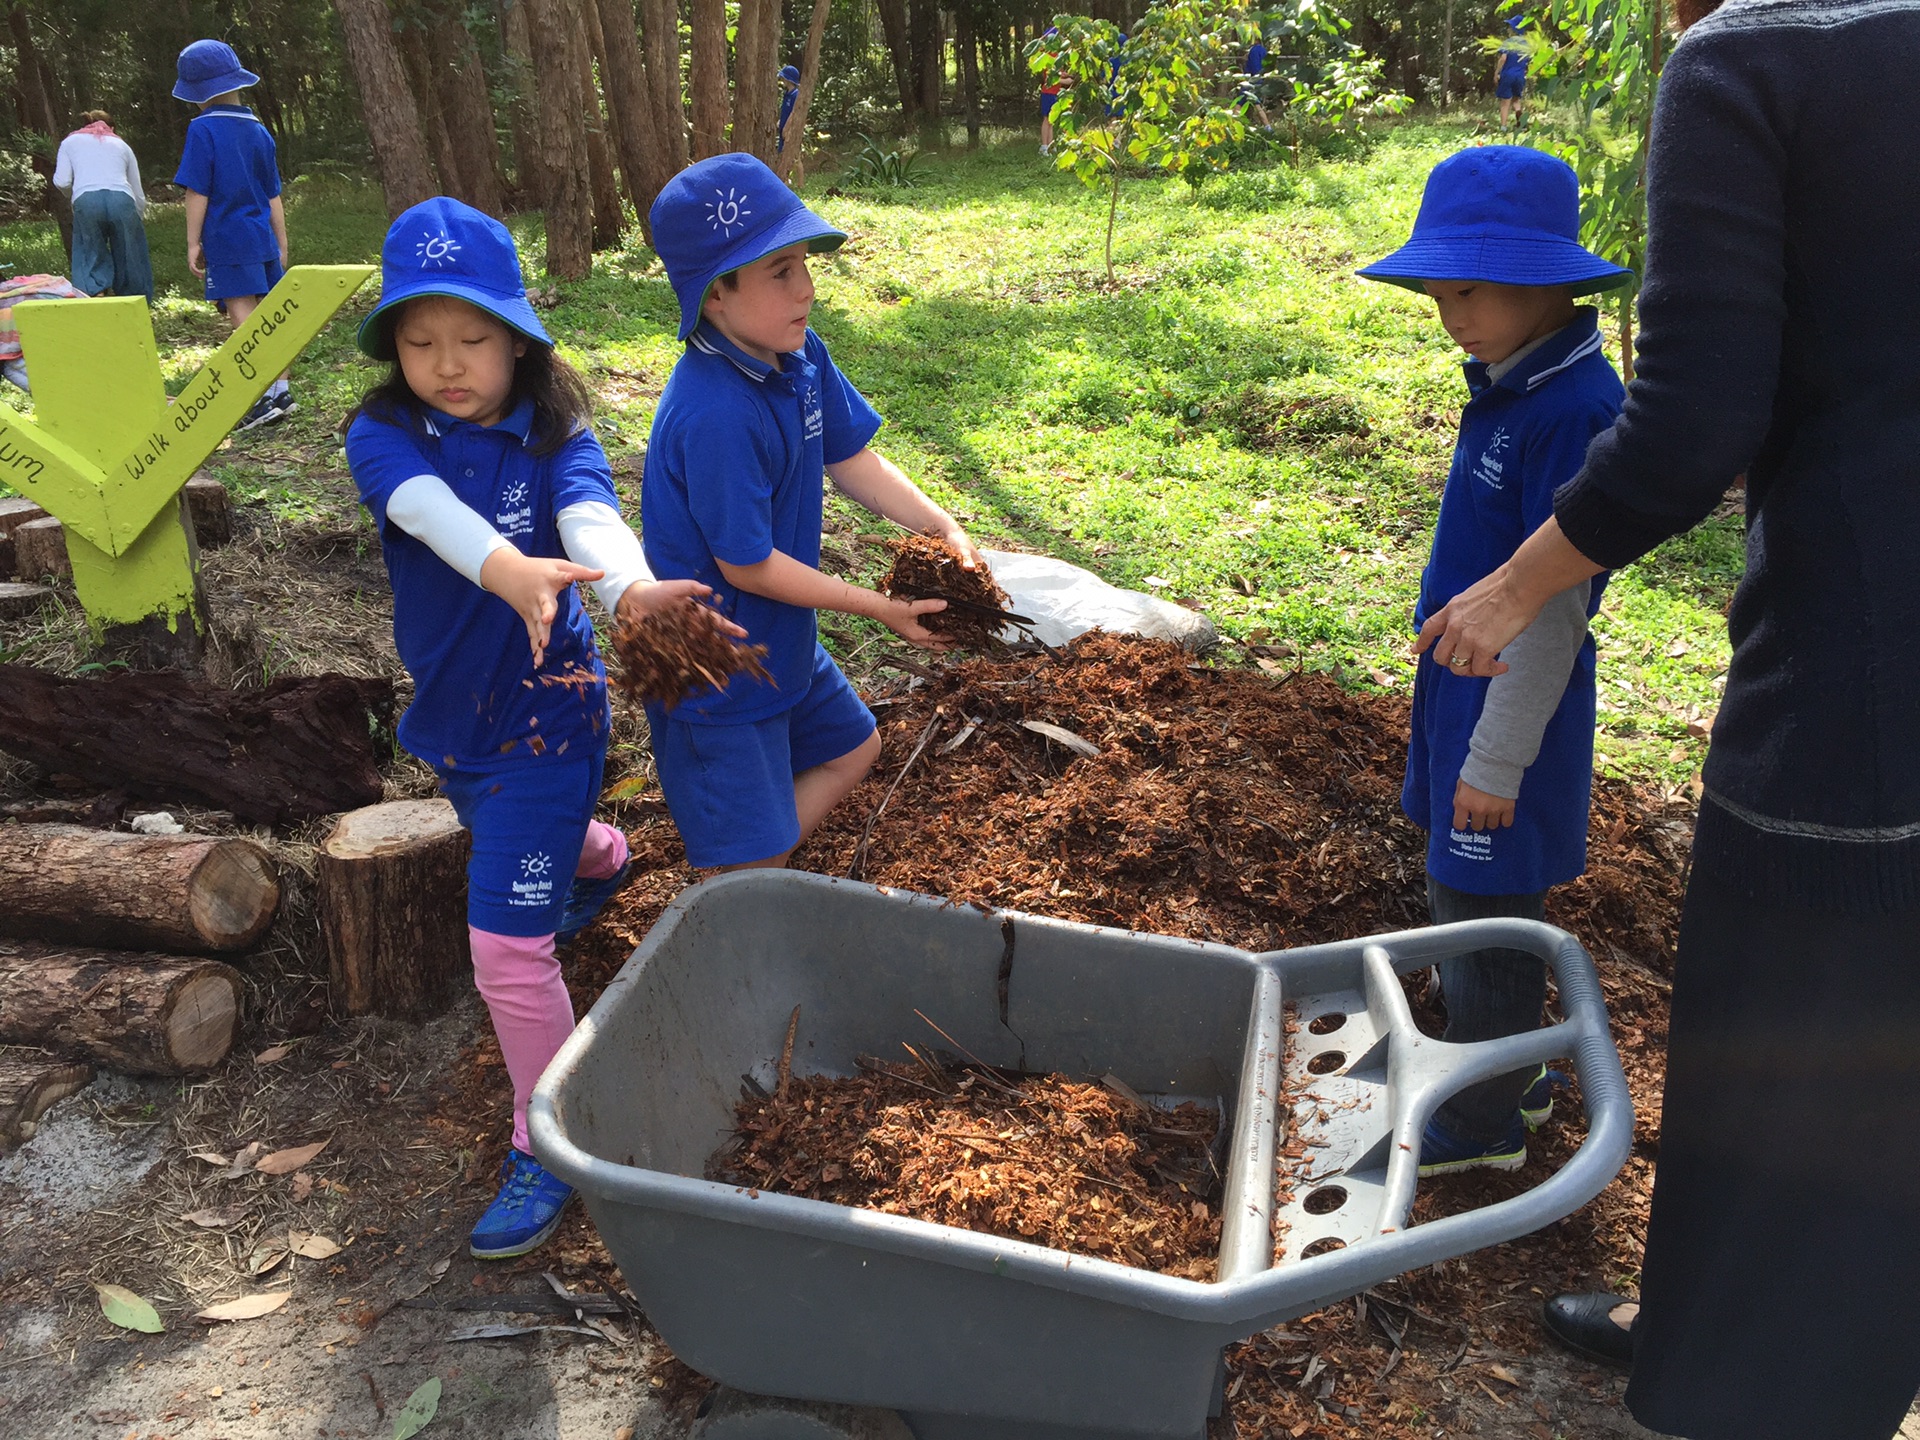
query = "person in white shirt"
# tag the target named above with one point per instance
(98, 170)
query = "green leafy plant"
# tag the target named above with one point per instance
(877, 168)
(1317, 81)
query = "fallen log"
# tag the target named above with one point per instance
(32, 1084)
(141, 1014)
(302, 747)
(392, 887)
(186, 894)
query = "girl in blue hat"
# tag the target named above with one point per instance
(1499, 771)
(493, 499)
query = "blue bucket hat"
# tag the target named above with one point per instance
(790, 72)
(722, 213)
(208, 68)
(1503, 214)
(442, 247)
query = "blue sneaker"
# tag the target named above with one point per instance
(1536, 1105)
(525, 1212)
(1443, 1153)
(585, 899)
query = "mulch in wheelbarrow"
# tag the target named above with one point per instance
(1260, 811)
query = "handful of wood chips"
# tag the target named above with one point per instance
(927, 567)
(676, 653)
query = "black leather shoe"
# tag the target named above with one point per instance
(1583, 1323)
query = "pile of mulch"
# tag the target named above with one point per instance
(1043, 1158)
(927, 567)
(1263, 812)
(677, 653)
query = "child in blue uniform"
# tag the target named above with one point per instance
(1496, 246)
(493, 498)
(1510, 72)
(236, 224)
(751, 419)
(789, 93)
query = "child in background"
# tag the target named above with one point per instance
(493, 498)
(752, 416)
(1249, 92)
(1049, 94)
(236, 225)
(1510, 73)
(789, 93)
(1496, 246)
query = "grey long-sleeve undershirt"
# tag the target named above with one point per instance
(1521, 701)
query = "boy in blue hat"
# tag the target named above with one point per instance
(1510, 73)
(1495, 244)
(789, 92)
(236, 225)
(751, 419)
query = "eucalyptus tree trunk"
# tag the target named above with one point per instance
(561, 136)
(645, 158)
(660, 43)
(608, 215)
(756, 85)
(792, 170)
(893, 26)
(712, 107)
(393, 119)
(460, 79)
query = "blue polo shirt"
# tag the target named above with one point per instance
(1521, 438)
(1256, 58)
(478, 703)
(736, 469)
(230, 159)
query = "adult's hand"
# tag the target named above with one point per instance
(1468, 633)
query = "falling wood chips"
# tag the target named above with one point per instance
(678, 653)
(1040, 1158)
(925, 565)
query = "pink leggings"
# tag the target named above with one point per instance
(520, 981)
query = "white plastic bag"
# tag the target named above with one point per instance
(1064, 601)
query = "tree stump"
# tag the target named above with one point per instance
(210, 508)
(141, 1014)
(392, 882)
(16, 511)
(30, 1085)
(40, 550)
(185, 894)
(18, 600)
(302, 747)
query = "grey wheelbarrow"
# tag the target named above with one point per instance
(966, 1336)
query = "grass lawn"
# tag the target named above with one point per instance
(1238, 415)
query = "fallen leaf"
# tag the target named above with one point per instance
(1500, 1372)
(210, 1157)
(439, 1267)
(285, 1162)
(1677, 649)
(1060, 735)
(419, 1410)
(267, 1257)
(243, 1160)
(128, 1310)
(1380, 677)
(217, 1219)
(247, 1307)
(302, 1186)
(272, 1053)
(312, 1247)
(625, 1432)
(509, 1332)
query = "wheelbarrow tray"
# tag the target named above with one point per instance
(975, 1337)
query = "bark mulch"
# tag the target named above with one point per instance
(926, 567)
(1229, 805)
(678, 653)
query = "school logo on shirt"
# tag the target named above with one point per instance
(811, 415)
(535, 887)
(515, 515)
(1489, 470)
(437, 249)
(729, 212)
(1470, 844)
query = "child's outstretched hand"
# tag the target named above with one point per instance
(1478, 809)
(532, 586)
(903, 618)
(650, 597)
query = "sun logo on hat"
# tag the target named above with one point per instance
(728, 212)
(437, 250)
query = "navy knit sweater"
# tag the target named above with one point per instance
(1781, 338)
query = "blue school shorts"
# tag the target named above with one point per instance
(1047, 103)
(529, 823)
(225, 282)
(1509, 87)
(730, 787)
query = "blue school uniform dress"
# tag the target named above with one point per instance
(736, 470)
(1521, 438)
(230, 159)
(519, 751)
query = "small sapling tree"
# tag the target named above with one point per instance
(1317, 80)
(1147, 101)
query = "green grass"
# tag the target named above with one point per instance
(1240, 413)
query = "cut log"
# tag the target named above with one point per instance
(141, 1014)
(187, 894)
(40, 550)
(210, 508)
(17, 510)
(6, 557)
(30, 1085)
(17, 600)
(304, 746)
(392, 883)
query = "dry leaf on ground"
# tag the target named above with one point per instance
(247, 1307)
(312, 1247)
(285, 1162)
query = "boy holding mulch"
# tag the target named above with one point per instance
(752, 417)
(1495, 244)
